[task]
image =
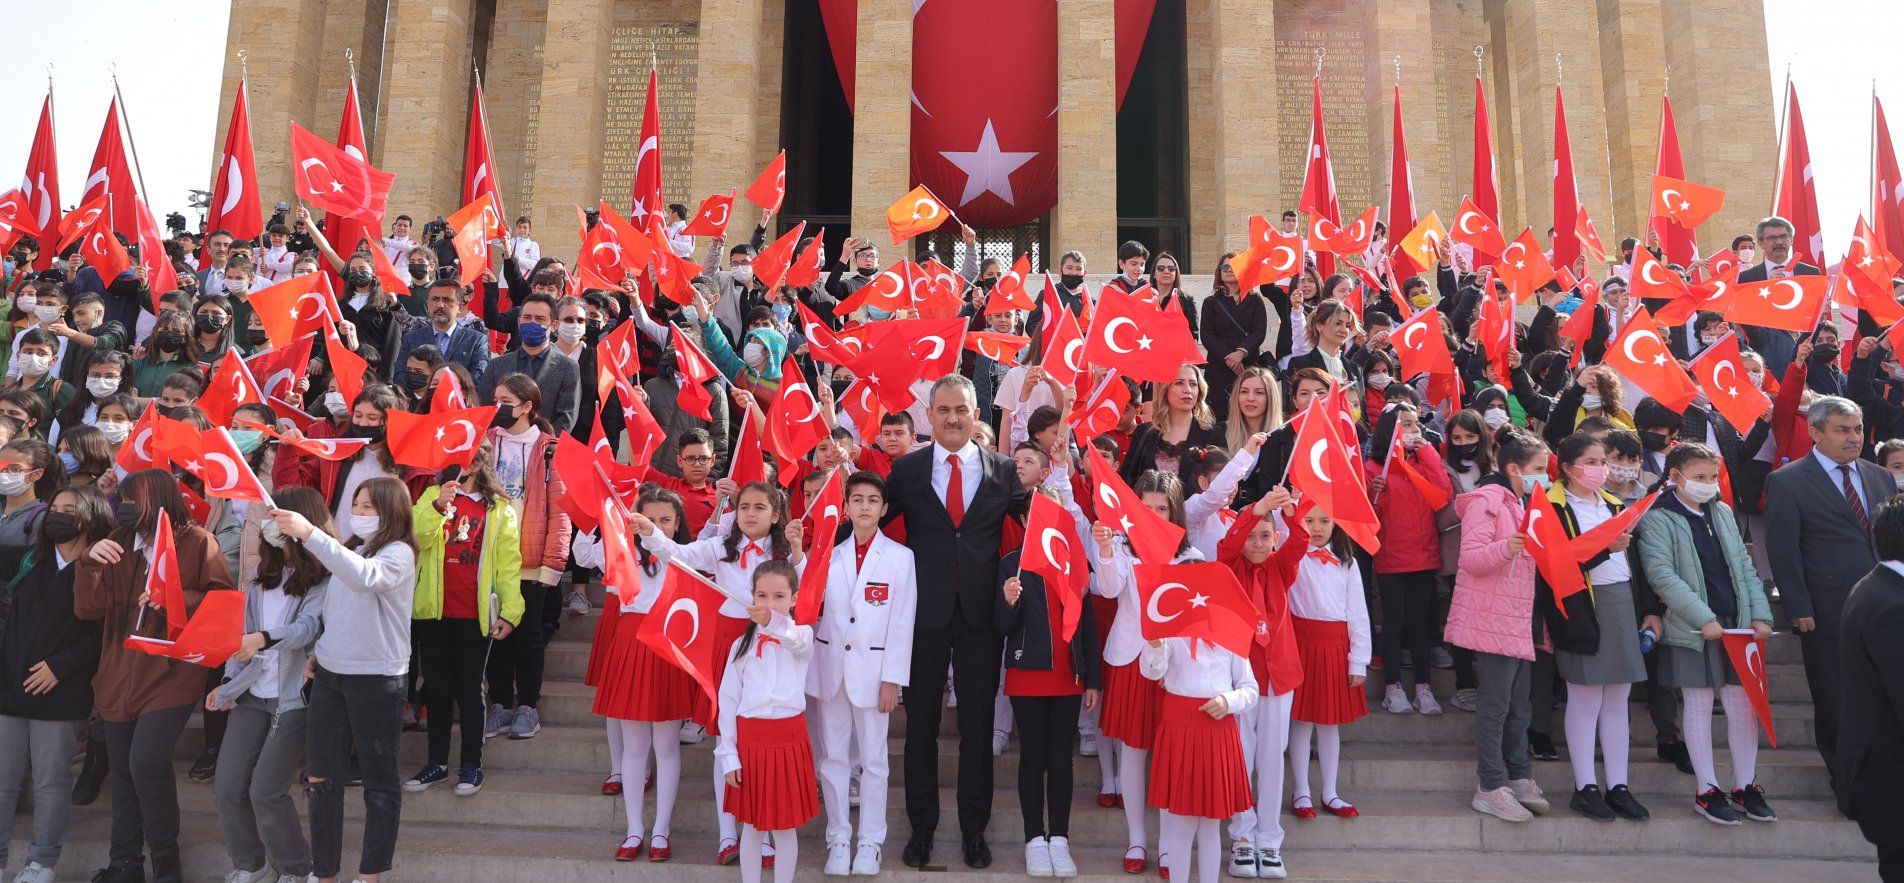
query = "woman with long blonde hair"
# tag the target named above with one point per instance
(1256, 405)
(1180, 419)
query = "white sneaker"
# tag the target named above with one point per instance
(1087, 745)
(1243, 860)
(839, 861)
(1500, 803)
(35, 872)
(692, 733)
(999, 740)
(1061, 863)
(1269, 864)
(236, 875)
(1395, 701)
(1038, 857)
(1425, 700)
(866, 861)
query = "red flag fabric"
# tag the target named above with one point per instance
(822, 343)
(101, 249)
(621, 566)
(826, 527)
(1475, 229)
(1675, 240)
(1792, 304)
(16, 219)
(235, 194)
(332, 449)
(1595, 541)
(1887, 183)
(712, 217)
(1061, 343)
(199, 507)
(1715, 292)
(1009, 292)
(1401, 182)
(770, 188)
(1139, 339)
(469, 233)
(110, 175)
(1494, 326)
(1796, 195)
(1421, 347)
(1684, 203)
(889, 368)
(215, 459)
(772, 263)
(479, 169)
(76, 222)
(152, 437)
(434, 442)
(40, 184)
(806, 265)
(1153, 538)
(331, 179)
(163, 584)
(1272, 259)
(795, 422)
(1869, 266)
(1525, 268)
(1747, 653)
(1651, 280)
(602, 261)
(1487, 186)
(1320, 468)
(999, 347)
(1547, 542)
(1349, 239)
(1051, 551)
(647, 198)
(1566, 191)
(1318, 198)
(945, 284)
(348, 367)
(695, 603)
(860, 402)
(230, 386)
(159, 275)
(593, 481)
(748, 466)
(1579, 326)
(208, 638)
(1640, 355)
(935, 344)
(1201, 601)
(1099, 413)
(915, 213)
(697, 369)
(1720, 371)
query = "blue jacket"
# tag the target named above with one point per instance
(468, 347)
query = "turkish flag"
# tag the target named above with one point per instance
(1476, 230)
(332, 179)
(235, 195)
(40, 184)
(1422, 245)
(102, 250)
(639, 246)
(647, 199)
(1009, 293)
(1401, 178)
(712, 217)
(822, 343)
(1494, 327)
(1270, 259)
(1420, 346)
(1153, 538)
(1139, 339)
(1887, 183)
(1796, 194)
(1685, 203)
(479, 168)
(890, 291)
(1714, 293)
(860, 403)
(1720, 371)
(1793, 303)
(1201, 601)
(1350, 239)
(1674, 240)
(915, 213)
(602, 261)
(1318, 197)
(231, 385)
(110, 176)
(209, 638)
(697, 369)
(1320, 468)
(215, 459)
(823, 535)
(1651, 280)
(332, 449)
(152, 438)
(795, 422)
(434, 442)
(159, 275)
(1100, 413)
(1566, 190)
(1869, 268)
(1051, 551)
(935, 344)
(1640, 355)
(621, 566)
(16, 219)
(772, 263)
(164, 588)
(1060, 336)
(1487, 187)
(889, 368)
(1547, 541)
(643, 432)
(1524, 267)
(348, 367)
(946, 284)
(807, 264)
(297, 307)
(594, 481)
(75, 223)
(770, 188)
(747, 465)
(469, 233)
(346, 232)
(690, 598)
(1595, 541)
(999, 347)
(985, 135)
(386, 272)
(1579, 326)
(1747, 653)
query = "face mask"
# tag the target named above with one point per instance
(868, 271)
(415, 380)
(169, 341)
(13, 484)
(1592, 478)
(570, 332)
(6, 267)
(594, 333)
(33, 364)
(26, 303)
(1464, 453)
(754, 354)
(1071, 280)
(1825, 352)
(1592, 401)
(126, 516)
(69, 462)
(247, 440)
(1533, 482)
(209, 323)
(359, 279)
(101, 387)
(365, 526)
(532, 333)
(237, 286)
(374, 433)
(1623, 474)
(1409, 438)
(419, 271)
(1899, 478)
(47, 315)
(840, 387)
(1495, 418)
(744, 273)
(269, 532)
(334, 403)
(115, 433)
(781, 312)
(692, 313)
(1711, 339)
(1700, 491)
(1378, 381)
(986, 284)
(1757, 377)
(1747, 256)
(60, 527)
(1653, 442)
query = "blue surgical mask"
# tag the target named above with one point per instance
(532, 333)
(247, 440)
(1533, 482)
(780, 313)
(69, 461)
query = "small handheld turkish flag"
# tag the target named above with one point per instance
(770, 188)
(277, 370)
(682, 626)
(1138, 338)
(1640, 355)
(747, 466)
(334, 180)
(1720, 371)
(1051, 551)
(915, 213)
(1321, 469)
(215, 459)
(806, 265)
(697, 369)
(712, 218)
(1747, 653)
(1154, 539)
(1685, 203)
(102, 250)
(294, 308)
(231, 386)
(795, 422)
(164, 588)
(1421, 346)
(620, 565)
(434, 442)
(1061, 343)
(1201, 601)
(1789, 304)
(1523, 266)
(1476, 230)
(1099, 413)
(1545, 538)
(1595, 541)
(826, 528)
(213, 633)
(1009, 293)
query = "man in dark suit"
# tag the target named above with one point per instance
(1818, 532)
(955, 497)
(557, 374)
(1871, 731)
(461, 344)
(1777, 345)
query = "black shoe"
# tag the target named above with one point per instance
(121, 873)
(1676, 754)
(977, 854)
(91, 777)
(1588, 802)
(918, 852)
(1623, 802)
(1541, 746)
(1712, 804)
(204, 767)
(1751, 801)
(167, 865)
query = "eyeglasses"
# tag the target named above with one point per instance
(701, 460)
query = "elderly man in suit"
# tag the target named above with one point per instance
(557, 374)
(465, 345)
(1871, 730)
(1818, 531)
(955, 497)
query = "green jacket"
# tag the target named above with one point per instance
(148, 375)
(53, 392)
(1671, 562)
(499, 571)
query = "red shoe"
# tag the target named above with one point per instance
(612, 784)
(626, 853)
(729, 854)
(1163, 873)
(766, 862)
(1302, 809)
(1135, 865)
(1107, 800)
(1120, 801)
(658, 848)
(1341, 809)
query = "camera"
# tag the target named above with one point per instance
(434, 229)
(446, 274)
(175, 222)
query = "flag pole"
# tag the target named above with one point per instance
(125, 117)
(1871, 170)
(1778, 168)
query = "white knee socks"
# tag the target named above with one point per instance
(786, 855)
(637, 739)
(1328, 738)
(614, 745)
(1131, 766)
(1108, 751)
(1174, 844)
(1600, 711)
(1742, 735)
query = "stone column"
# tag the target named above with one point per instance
(1402, 27)
(729, 128)
(426, 102)
(283, 87)
(1727, 130)
(512, 93)
(1632, 66)
(882, 114)
(574, 105)
(1085, 218)
(1537, 30)
(359, 27)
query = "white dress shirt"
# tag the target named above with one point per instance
(1589, 514)
(1204, 510)
(1333, 593)
(397, 248)
(970, 473)
(589, 553)
(1835, 472)
(276, 264)
(1213, 671)
(705, 556)
(767, 682)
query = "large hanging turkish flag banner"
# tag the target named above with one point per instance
(985, 128)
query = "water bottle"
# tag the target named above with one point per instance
(1647, 637)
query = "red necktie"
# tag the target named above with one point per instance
(1851, 496)
(1323, 555)
(955, 490)
(761, 642)
(752, 548)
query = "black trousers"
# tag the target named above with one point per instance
(974, 655)
(1047, 725)
(452, 652)
(517, 662)
(365, 711)
(1408, 615)
(1662, 703)
(1821, 675)
(1876, 811)
(145, 807)
(1540, 694)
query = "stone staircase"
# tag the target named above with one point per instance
(541, 815)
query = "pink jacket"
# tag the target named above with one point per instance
(1492, 610)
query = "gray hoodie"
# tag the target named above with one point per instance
(366, 608)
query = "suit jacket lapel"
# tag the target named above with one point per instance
(1832, 489)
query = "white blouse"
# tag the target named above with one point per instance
(1213, 671)
(1589, 514)
(767, 682)
(1333, 593)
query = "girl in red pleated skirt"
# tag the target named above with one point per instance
(763, 756)
(1198, 776)
(1330, 615)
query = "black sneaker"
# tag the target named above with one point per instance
(204, 767)
(1588, 802)
(430, 775)
(1751, 801)
(469, 780)
(1712, 804)
(1541, 746)
(1676, 754)
(121, 873)
(1622, 802)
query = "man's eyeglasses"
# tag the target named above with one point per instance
(697, 460)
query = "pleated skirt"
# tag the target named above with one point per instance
(1196, 766)
(1132, 705)
(1325, 696)
(777, 783)
(637, 684)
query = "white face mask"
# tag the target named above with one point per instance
(1700, 491)
(744, 273)
(334, 403)
(12, 484)
(1378, 381)
(365, 526)
(1592, 401)
(101, 387)
(1899, 478)
(26, 303)
(33, 364)
(1757, 377)
(47, 315)
(754, 354)
(1747, 256)
(1409, 438)
(1623, 474)
(1495, 418)
(237, 286)
(569, 332)
(114, 432)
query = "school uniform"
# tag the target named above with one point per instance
(1207, 514)
(764, 730)
(1132, 702)
(632, 682)
(1046, 675)
(735, 578)
(863, 639)
(1277, 668)
(1197, 764)
(1329, 614)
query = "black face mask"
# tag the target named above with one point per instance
(1653, 442)
(1071, 280)
(60, 527)
(505, 418)
(169, 341)
(1463, 453)
(868, 271)
(419, 271)
(986, 284)
(126, 516)
(210, 324)
(374, 433)
(594, 333)
(359, 279)
(1825, 352)
(840, 387)
(256, 337)
(415, 380)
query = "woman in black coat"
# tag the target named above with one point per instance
(1180, 419)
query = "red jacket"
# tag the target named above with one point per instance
(1275, 663)
(1410, 540)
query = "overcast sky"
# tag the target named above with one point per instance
(170, 56)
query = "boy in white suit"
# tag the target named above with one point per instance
(862, 656)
